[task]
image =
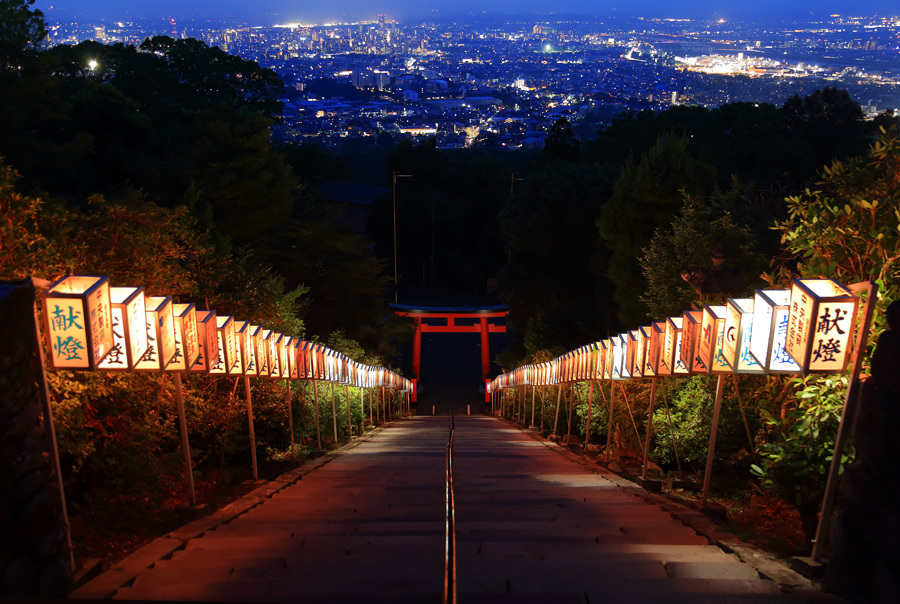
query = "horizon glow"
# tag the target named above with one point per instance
(270, 12)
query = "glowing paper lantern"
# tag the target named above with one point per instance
(251, 367)
(274, 349)
(634, 368)
(129, 329)
(187, 343)
(208, 341)
(770, 328)
(618, 356)
(296, 358)
(692, 325)
(657, 347)
(821, 321)
(160, 334)
(738, 329)
(238, 365)
(674, 332)
(286, 349)
(712, 338)
(228, 348)
(78, 318)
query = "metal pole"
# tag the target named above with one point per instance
(609, 427)
(671, 429)
(371, 416)
(707, 474)
(349, 419)
(587, 431)
(252, 433)
(334, 413)
(571, 414)
(290, 406)
(185, 446)
(543, 393)
(848, 415)
(39, 365)
(649, 428)
(533, 388)
(559, 389)
(315, 385)
(362, 410)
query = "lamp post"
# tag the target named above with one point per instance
(394, 176)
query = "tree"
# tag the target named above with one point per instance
(646, 196)
(685, 246)
(21, 32)
(829, 120)
(561, 143)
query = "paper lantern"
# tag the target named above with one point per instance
(296, 358)
(821, 321)
(273, 348)
(691, 329)
(618, 356)
(250, 333)
(634, 366)
(78, 318)
(672, 350)
(286, 349)
(160, 334)
(187, 343)
(228, 349)
(238, 365)
(655, 356)
(738, 329)
(770, 328)
(207, 340)
(129, 329)
(712, 339)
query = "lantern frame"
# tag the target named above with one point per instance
(128, 313)
(86, 298)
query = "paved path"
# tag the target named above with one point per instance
(368, 526)
(534, 526)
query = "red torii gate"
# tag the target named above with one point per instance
(429, 319)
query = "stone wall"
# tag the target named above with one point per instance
(34, 551)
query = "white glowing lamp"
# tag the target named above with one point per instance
(275, 354)
(674, 333)
(238, 363)
(228, 349)
(207, 340)
(631, 359)
(78, 318)
(249, 333)
(770, 328)
(691, 329)
(285, 356)
(296, 354)
(618, 357)
(821, 322)
(129, 329)
(160, 314)
(712, 338)
(658, 349)
(738, 330)
(187, 341)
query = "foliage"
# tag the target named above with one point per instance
(685, 247)
(646, 196)
(559, 293)
(798, 448)
(21, 32)
(848, 227)
(561, 143)
(691, 409)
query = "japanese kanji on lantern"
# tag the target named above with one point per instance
(187, 344)
(712, 339)
(769, 334)
(821, 321)
(78, 318)
(208, 341)
(129, 329)
(738, 330)
(691, 330)
(228, 349)
(160, 317)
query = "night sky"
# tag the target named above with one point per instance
(265, 12)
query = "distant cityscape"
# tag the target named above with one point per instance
(504, 83)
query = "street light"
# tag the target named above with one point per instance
(394, 176)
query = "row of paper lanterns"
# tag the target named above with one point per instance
(91, 325)
(805, 329)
